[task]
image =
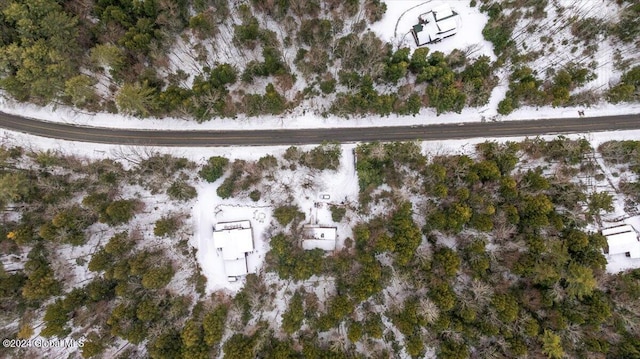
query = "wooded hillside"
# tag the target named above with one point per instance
(208, 59)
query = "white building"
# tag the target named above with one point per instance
(319, 237)
(622, 239)
(233, 240)
(435, 25)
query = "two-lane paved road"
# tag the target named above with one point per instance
(206, 138)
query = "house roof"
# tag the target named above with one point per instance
(232, 225)
(234, 243)
(433, 23)
(442, 12)
(318, 232)
(325, 245)
(617, 229)
(447, 24)
(423, 35)
(235, 268)
(319, 237)
(622, 239)
(234, 240)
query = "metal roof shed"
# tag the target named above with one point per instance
(622, 240)
(319, 237)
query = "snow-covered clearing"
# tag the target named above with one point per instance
(304, 186)
(402, 15)
(210, 210)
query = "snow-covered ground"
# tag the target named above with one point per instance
(341, 185)
(305, 186)
(209, 210)
(401, 15)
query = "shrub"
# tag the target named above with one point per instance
(505, 106)
(354, 333)
(293, 154)
(325, 156)
(166, 226)
(247, 33)
(272, 102)
(118, 212)
(628, 28)
(328, 86)
(294, 315)
(163, 165)
(285, 214)
(157, 277)
(627, 89)
(315, 31)
(267, 162)
(255, 195)
(214, 168)
(337, 213)
(181, 191)
(226, 188)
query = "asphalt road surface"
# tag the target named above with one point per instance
(206, 138)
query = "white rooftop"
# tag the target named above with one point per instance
(234, 240)
(325, 245)
(442, 12)
(319, 237)
(447, 24)
(317, 232)
(434, 23)
(621, 240)
(425, 35)
(617, 229)
(236, 268)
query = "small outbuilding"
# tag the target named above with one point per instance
(319, 237)
(233, 241)
(622, 239)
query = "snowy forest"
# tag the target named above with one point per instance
(450, 249)
(494, 253)
(208, 59)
